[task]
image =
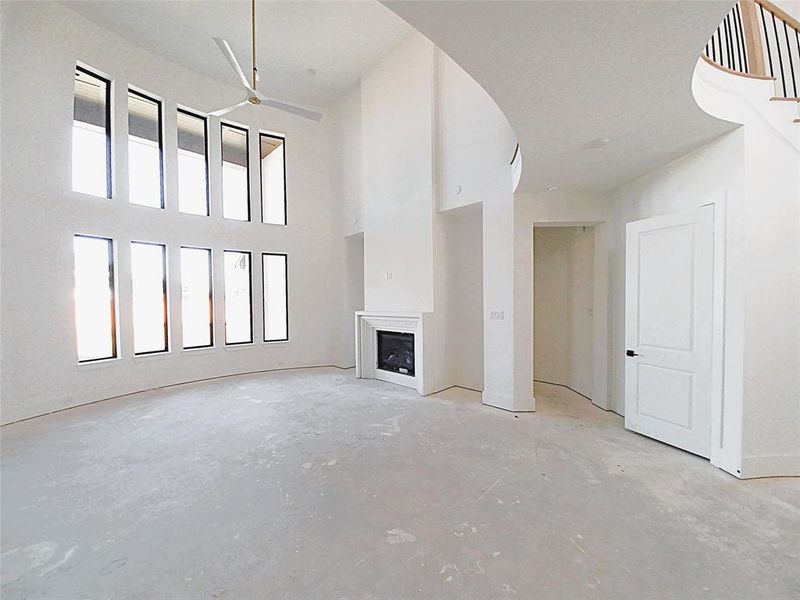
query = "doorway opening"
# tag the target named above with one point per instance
(569, 315)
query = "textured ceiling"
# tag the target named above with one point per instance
(565, 73)
(340, 40)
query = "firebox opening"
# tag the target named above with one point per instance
(396, 352)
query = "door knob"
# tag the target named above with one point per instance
(630, 353)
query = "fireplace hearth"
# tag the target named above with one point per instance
(395, 352)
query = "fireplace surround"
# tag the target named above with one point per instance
(402, 345)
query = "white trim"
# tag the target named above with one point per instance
(719, 453)
(770, 465)
(506, 402)
(367, 323)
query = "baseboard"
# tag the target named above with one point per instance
(171, 385)
(507, 402)
(569, 388)
(770, 465)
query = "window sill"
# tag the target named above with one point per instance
(98, 364)
(136, 204)
(86, 195)
(239, 346)
(200, 350)
(152, 355)
(275, 342)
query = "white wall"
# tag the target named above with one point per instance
(41, 43)
(347, 241)
(465, 296)
(397, 107)
(346, 116)
(353, 284)
(473, 137)
(552, 314)
(770, 271)
(563, 273)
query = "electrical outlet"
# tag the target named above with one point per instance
(388, 275)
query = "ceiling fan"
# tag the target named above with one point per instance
(255, 97)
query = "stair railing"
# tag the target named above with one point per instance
(759, 39)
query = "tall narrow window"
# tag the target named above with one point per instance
(192, 164)
(149, 278)
(238, 298)
(145, 151)
(95, 311)
(196, 298)
(235, 173)
(276, 297)
(273, 179)
(91, 134)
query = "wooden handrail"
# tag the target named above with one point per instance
(737, 73)
(780, 13)
(761, 40)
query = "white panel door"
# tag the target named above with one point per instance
(668, 328)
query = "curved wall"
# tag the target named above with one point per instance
(766, 366)
(40, 215)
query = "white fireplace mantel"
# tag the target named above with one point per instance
(367, 325)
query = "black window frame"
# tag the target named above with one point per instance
(160, 105)
(165, 293)
(264, 298)
(273, 136)
(223, 125)
(109, 171)
(210, 298)
(196, 115)
(112, 287)
(250, 291)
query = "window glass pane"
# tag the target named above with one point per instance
(91, 149)
(144, 150)
(192, 164)
(196, 303)
(148, 271)
(95, 320)
(276, 323)
(235, 174)
(238, 312)
(273, 187)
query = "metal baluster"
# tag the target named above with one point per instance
(729, 41)
(737, 19)
(791, 61)
(766, 40)
(780, 57)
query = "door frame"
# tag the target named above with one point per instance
(601, 364)
(718, 200)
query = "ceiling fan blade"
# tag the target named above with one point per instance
(231, 58)
(291, 108)
(222, 111)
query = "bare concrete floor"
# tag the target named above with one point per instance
(312, 484)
